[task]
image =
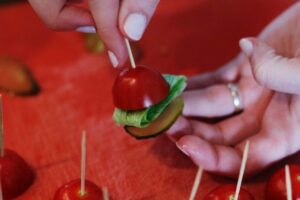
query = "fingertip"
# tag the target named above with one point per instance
(134, 26)
(200, 151)
(117, 55)
(135, 16)
(181, 124)
(113, 59)
(180, 128)
(86, 29)
(105, 14)
(247, 46)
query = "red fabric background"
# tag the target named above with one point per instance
(199, 35)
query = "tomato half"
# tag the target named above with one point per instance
(139, 88)
(71, 191)
(227, 192)
(16, 175)
(276, 186)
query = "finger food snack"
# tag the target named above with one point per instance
(147, 103)
(227, 192)
(276, 186)
(72, 191)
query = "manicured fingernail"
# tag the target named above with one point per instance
(183, 148)
(86, 29)
(135, 25)
(246, 46)
(113, 59)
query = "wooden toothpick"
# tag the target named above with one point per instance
(288, 183)
(196, 183)
(1, 129)
(242, 170)
(105, 193)
(130, 53)
(83, 162)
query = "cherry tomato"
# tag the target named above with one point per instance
(16, 175)
(227, 192)
(276, 186)
(71, 191)
(139, 88)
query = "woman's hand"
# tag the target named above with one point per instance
(267, 76)
(113, 20)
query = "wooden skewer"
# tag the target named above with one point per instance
(242, 170)
(288, 183)
(1, 129)
(130, 53)
(105, 193)
(83, 163)
(196, 183)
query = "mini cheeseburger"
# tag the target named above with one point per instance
(147, 103)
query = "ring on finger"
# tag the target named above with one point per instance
(237, 101)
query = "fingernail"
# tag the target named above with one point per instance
(113, 59)
(135, 25)
(246, 46)
(183, 148)
(86, 29)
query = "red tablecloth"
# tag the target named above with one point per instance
(195, 35)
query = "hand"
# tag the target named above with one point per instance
(113, 20)
(267, 77)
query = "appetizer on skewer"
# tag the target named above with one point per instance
(80, 189)
(226, 192)
(232, 192)
(72, 191)
(276, 186)
(147, 103)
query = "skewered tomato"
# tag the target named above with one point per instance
(139, 88)
(276, 186)
(71, 191)
(227, 192)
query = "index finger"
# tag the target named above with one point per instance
(105, 13)
(226, 160)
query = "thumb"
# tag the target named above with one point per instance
(270, 69)
(134, 17)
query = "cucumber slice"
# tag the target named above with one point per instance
(161, 124)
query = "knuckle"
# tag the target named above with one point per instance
(147, 6)
(260, 74)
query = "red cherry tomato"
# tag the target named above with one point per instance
(71, 191)
(16, 175)
(276, 187)
(139, 88)
(227, 192)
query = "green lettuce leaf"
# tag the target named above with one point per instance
(142, 118)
